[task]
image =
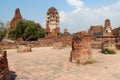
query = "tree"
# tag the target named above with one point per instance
(27, 30)
(2, 33)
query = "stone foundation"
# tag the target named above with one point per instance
(4, 69)
(24, 48)
(81, 48)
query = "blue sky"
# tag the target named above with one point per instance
(75, 15)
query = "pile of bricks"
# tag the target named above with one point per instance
(4, 69)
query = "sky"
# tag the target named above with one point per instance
(75, 15)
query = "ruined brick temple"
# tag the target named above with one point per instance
(17, 16)
(102, 35)
(96, 31)
(52, 23)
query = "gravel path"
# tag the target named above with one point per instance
(46, 63)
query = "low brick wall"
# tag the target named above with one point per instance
(65, 40)
(96, 45)
(4, 70)
(106, 38)
(6, 45)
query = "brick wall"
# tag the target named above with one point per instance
(65, 40)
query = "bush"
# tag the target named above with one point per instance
(91, 60)
(108, 51)
(2, 32)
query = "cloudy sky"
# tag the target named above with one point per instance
(75, 15)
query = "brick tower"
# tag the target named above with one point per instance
(52, 23)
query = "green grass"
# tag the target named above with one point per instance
(2, 48)
(91, 60)
(108, 51)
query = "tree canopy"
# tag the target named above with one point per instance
(26, 30)
(2, 32)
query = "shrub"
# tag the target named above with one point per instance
(2, 32)
(91, 60)
(26, 30)
(108, 51)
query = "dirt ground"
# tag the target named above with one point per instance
(46, 63)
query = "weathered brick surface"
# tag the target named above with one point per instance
(81, 48)
(116, 31)
(96, 45)
(95, 31)
(4, 69)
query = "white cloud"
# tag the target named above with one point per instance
(76, 3)
(82, 17)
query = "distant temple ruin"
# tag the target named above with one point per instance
(16, 17)
(103, 37)
(52, 23)
(96, 31)
(107, 28)
(100, 31)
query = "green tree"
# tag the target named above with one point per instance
(27, 30)
(2, 33)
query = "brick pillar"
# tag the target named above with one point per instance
(81, 48)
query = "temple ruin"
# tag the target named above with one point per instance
(17, 16)
(52, 23)
(103, 36)
(96, 31)
(107, 28)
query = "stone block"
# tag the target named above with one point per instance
(24, 48)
